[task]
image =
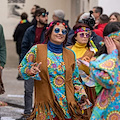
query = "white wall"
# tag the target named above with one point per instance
(9, 21)
(109, 6)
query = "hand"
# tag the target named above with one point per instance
(35, 68)
(110, 45)
(78, 63)
(84, 101)
(93, 59)
(1, 67)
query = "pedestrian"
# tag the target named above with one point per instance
(19, 33)
(81, 47)
(97, 11)
(60, 15)
(59, 94)
(102, 22)
(33, 35)
(2, 62)
(88, 19)
(114, 17)
(34, 8)
(105, 71)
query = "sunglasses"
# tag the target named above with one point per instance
(44, 14)
(87, 35)
(57, 30)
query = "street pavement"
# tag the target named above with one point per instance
(14, 89)
(14, 95)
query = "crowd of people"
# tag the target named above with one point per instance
(74, 71)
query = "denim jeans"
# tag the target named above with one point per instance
(28, 96)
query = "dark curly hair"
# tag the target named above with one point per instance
(50, 29)
(109, 28)
(76, 26)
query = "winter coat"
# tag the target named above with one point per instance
(99, 30)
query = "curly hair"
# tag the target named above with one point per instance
(109, 28)
(50, 29)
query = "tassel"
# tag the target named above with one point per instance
(32, 116)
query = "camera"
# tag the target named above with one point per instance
(90, 21)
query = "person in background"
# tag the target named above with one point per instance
(102, 22)
(81, 47)
(114, 17)
(105, 70)
(88, 19)
(59, 94)
(60, 15)
(71, 32)
(97, 11)
(19, 33)
(35, 34)
(34, 8)
(2, 62)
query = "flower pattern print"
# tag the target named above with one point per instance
(106, 72)
(56, 70)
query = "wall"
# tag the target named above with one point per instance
(10, 20)
(110, 6)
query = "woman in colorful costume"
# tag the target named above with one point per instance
(81, 47)
(59, 95)
(106, 72)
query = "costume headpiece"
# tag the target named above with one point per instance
(111, 35)
(114, 34)
(55, 23)
(82, 29)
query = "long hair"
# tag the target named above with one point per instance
(50, 29)
(117, 15)
(109, 28)
(77, 26)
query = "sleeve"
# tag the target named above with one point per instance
(25, 45)
(78, 87)
(26, 64)
(2, 48)
(105, 70)
(16, 33)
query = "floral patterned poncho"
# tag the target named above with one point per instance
(106, 72)
(56, 69)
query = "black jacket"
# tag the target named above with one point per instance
(29, 38)
(18, 35)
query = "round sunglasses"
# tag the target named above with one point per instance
(44, 14)
(87, 35)
(57, 30)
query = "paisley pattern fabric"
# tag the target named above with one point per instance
(56, 69)
(106, 71)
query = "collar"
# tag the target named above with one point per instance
(55, 48)
(79, 45)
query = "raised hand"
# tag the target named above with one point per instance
(110, 45)
(35, 68)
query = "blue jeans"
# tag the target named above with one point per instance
(28, 96)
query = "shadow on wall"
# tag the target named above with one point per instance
(12, 57)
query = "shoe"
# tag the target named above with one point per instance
(19, 78)
(24, 117)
